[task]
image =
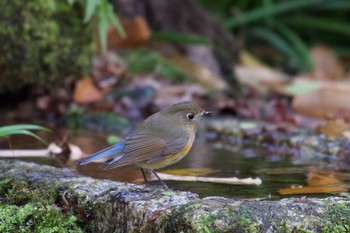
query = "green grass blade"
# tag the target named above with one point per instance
(300, 47)
(340, 5)
(23, 132)
(26, 132)
(21, 127)
(267, 7)
(317, 23)
(274, 40)
(275, 9)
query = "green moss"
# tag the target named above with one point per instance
(204, 222)
(247, 225)
(336, 218)
(28, 208)
(20, 192)
(35, 218)
(42, 41)
(284, 227)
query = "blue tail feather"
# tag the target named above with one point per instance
(117, 148)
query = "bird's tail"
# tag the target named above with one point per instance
(106, 153)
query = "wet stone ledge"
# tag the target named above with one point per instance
(107, 206)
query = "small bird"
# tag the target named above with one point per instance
(159, 141)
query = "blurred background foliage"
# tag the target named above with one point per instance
(127, 57)
(42, 42)
(288, 28)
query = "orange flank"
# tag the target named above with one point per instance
(170, 159)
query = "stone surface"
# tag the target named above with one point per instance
(107, 206)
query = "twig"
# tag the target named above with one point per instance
(228, 180)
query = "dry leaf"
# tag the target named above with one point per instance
(261, 78)
(316, 179)
(255, 74)
(85, 92)
(248, 60)
(311, 190)
(326, 103)
(201, 74)
(333, 129)
(318, 183)
(326, 64)
(136, 30)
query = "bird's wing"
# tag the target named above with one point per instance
(143, 147)
(106, 153)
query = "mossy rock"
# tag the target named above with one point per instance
(30, 208)
(35, 218)
(46, 198)
(42, 41)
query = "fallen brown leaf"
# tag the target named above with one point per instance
(328, 102)
(317, 183)
(136, 30)
(261, 78)
(311, 190)
(199, 73)
(327, 66)
(85, 92)
(316, 179)
(333, 129)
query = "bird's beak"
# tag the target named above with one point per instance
(205, 113)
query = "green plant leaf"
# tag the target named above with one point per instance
(103, 25)
(90, 7)
(325, 24)
(112, 17)
(338, 5)
(298, 87)
(27, 132)
(275, 9)
(268, 4)
(22, 129)
(274, 40)
(300, 47)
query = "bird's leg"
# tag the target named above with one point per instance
(161, 181)
(144, 176)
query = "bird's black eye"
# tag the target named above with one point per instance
(190, 116)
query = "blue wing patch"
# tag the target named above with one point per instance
(106, 153)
